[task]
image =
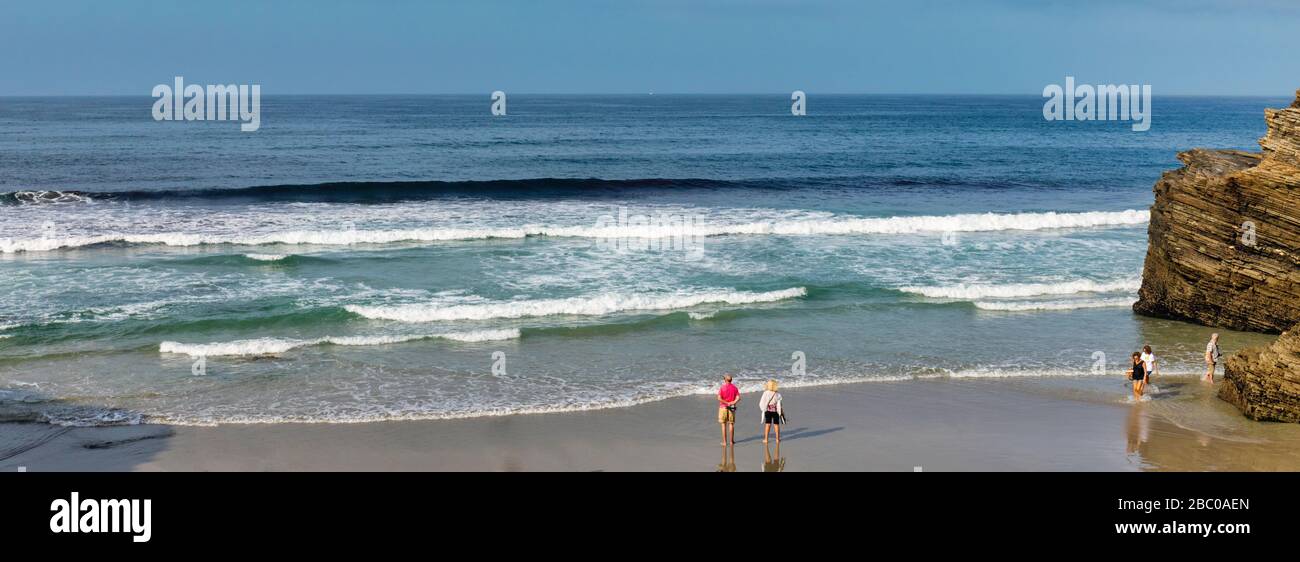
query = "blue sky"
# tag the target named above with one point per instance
(57, 47)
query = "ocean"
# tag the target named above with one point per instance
(364, 258)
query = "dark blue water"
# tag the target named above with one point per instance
(112, 144)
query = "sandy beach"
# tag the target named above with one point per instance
(938, 425)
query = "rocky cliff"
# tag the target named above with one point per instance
(1225, 235)
(1224, 250)
(1264, 382)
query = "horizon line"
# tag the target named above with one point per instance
(647, 94)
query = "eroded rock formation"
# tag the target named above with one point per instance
(1225, 235)
(1264, 382)
(1225, 251)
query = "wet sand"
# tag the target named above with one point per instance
(938, 425)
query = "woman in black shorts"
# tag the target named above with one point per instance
(770, 404)
(1138, 375)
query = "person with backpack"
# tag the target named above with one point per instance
(773, 414)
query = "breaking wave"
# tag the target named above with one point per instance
(1014, 306)
(577, 306)
(274, 346)
(986, 222)
(964, 291)
(43, 197)
(266, 257)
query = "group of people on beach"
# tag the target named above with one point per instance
(769, 404)
(1145, 364)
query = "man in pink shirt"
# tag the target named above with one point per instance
(728, 397)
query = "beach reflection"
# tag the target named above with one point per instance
(1137, 431)
(771, 462)
(1188, 428)
(728, 463)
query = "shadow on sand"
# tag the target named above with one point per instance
(790, 434)
(32, 445)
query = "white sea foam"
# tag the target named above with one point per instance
(273, 346)
(784, 227)
(266, 257)
(672, 390)
(1006, 373)
(260, 346)
(91, 417)
(1178, 371)
(965, 291)
(482, 335)
(701, 315)
(1016, 306)
(49, 196)
(960, 223)
(323, 412)
(598, 305)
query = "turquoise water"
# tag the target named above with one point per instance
(460, 265)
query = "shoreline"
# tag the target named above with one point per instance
(938, 425)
